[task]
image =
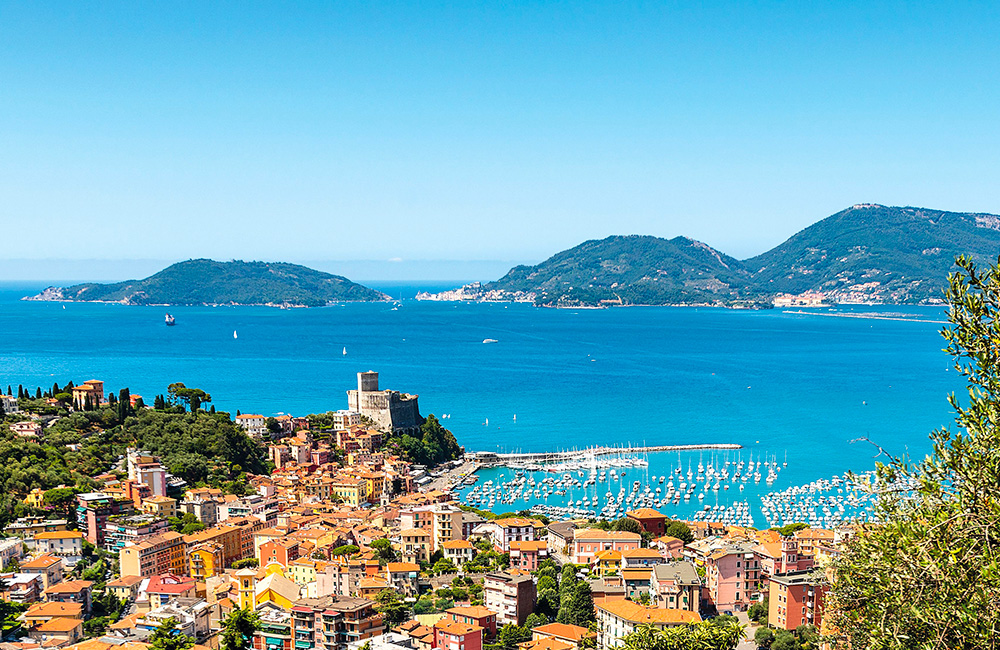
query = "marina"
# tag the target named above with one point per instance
(702, 483)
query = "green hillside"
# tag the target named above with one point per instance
(889, 254)
(207, 282)
(631, 270)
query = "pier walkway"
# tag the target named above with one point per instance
(494, 458)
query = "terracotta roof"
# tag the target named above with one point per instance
(608, 554)
(645, 513)
(60, 624)
(525, 545)
(399, 567)
(597, 534)
(41, 562)
(48, 610)
(126, 623)
(472, 611)
(636, 613)
(456, 627)
(563, 631)
(642, 552)
(518, 522)
(546, 643)
(125, 581)
(771, 549)
(60, 534)
(69, 587)
(458, 543)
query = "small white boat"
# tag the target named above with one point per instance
(234, 334)
(490, 341)
(345, 351)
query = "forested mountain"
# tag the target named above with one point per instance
(207, 282)
(631, 270)
(889, 254)
(866, 253)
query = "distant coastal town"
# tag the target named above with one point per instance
(344, 530)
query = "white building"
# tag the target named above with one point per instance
(345, 419)
(253, 424)
(67, 544)
(9, 403)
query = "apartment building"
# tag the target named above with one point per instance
(511, 595)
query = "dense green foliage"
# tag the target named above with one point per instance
(238, 629)
(680, 530)
(928, 576)
(908, 251)
(788, 529)
(200, 447)
(207, 282)
(636, 270)
(576, 603)
(435, 445)
(707, 635)
(167, 637)
(758, 612)
(392, 607)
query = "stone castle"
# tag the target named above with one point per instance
(389, 409)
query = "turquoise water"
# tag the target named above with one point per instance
(775, 382)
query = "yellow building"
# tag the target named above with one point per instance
(35, 498)
(229, 537)
(246, 581)
(205, 560)
(303, 570)
(160, 506)
(415, 545)
(352, 491)
(608, 562)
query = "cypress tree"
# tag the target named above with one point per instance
(9, 392)
(55, 389)
(582, 604)
(20, 391)
(38, 393)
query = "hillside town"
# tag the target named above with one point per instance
(346, 543)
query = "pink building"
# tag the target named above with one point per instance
(503, 532)
(527, 555)
(781, 557)
(732, 577)
(452, 635)
(669, 547)
(586, 543)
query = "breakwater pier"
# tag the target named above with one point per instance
(491, 459)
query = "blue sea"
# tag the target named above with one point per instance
(782, 384)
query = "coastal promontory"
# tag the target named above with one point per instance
(209, 282)
(867, 253)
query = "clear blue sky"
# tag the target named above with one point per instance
(468, 131)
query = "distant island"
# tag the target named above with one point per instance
(208, 282)
(867, 253)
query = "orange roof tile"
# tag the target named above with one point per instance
(636, 613)
(563, 631)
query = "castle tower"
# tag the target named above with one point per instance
(368, 382)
